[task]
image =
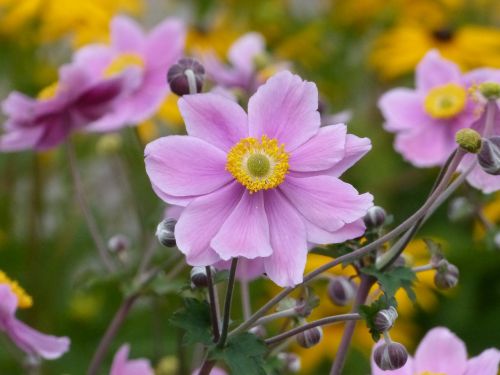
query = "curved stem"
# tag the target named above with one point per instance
(362, 293)
(408, 223)
(113, 328)
(316, 323)
(84, 207)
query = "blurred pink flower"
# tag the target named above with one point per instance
(426, 119)
(241, 72)
(25, 337)
(214, 371)
(261, 185)
(441, 352)
(78, 99)
(123, 366)
(149, 56)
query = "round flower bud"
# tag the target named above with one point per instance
(385, 319)
(259, 331)
(468, 140)
(165, 232)
(310, 337)
(490, 90)
(489, 156)
(199, 277)
(118, 243)
(179, 78)
(375, 217)
(390, 356)
(446, 276)
(341, 291)
(291, 362)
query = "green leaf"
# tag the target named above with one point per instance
(195, 320)
(392, 279)
(243, 354)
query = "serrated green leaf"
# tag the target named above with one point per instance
(392, 279)
(368, 313)
(195, 320)
(243, 354)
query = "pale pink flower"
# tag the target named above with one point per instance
(124, 366)
(442, 352)
(149, 55)
(426, 119)
(261, 185)
(25, 337)
(214, 371)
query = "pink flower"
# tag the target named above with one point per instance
(261, 185)
(426, 119)
(149, 56)
(77, 100)
(214, 371)
(25, 337)
(123, 366)
(242, 71)
(441, 352)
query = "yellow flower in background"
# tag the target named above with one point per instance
(49, 20)
(24, 300)
(491, 213)
(216, 37)
(405, 329)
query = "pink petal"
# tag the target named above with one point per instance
(326, 201)
(126, 35)
(485, 364)
(478, 178)
(201, 220)
(215, 119)
(320, 152)
(245, 233)
(243, 52)
(428, 147)
(355, 149)
(402, 109)
(120, 360)
(481, 75)
(441, 351)
(433, 70)
(407, 369)
(162, 54)
(285, 108)
(349, 231)
(94, 58)
(123, 366)
(21, 139)
(288, 239)
(185, 166)
(248, 269)
(34, 342)
(19, 106)
(8, 303)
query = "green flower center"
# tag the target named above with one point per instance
(258, 165)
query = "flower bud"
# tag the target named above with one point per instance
(469, 140)
(375, 217)
(460, 208)
(446, 276)
(165, 232)
(385, 319)
(118, 243)
(179, 78)
(259, 331)
(199, 277)
(490, 90)
(341, 291)
(291, 362)
(391, 356)
(489, 156)
(310, 337)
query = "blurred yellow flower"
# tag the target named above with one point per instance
(85, 307)
(405, 329)
(24, 300)
(49, 20)
(218, 36)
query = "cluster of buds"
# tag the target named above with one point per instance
(446, 276)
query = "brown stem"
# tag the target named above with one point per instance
(362, 293)
(213, 307)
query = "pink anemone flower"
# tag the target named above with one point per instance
(123, 366)
(214, 371)
(261, 185)
(426, 119)
(442, 353)
(76, 100)
(26, 338)
(149, 56)
(242, 71)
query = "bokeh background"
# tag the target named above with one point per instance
(353, 50)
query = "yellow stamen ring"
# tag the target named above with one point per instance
(23, 299)
(444, 102)
(258, 165)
